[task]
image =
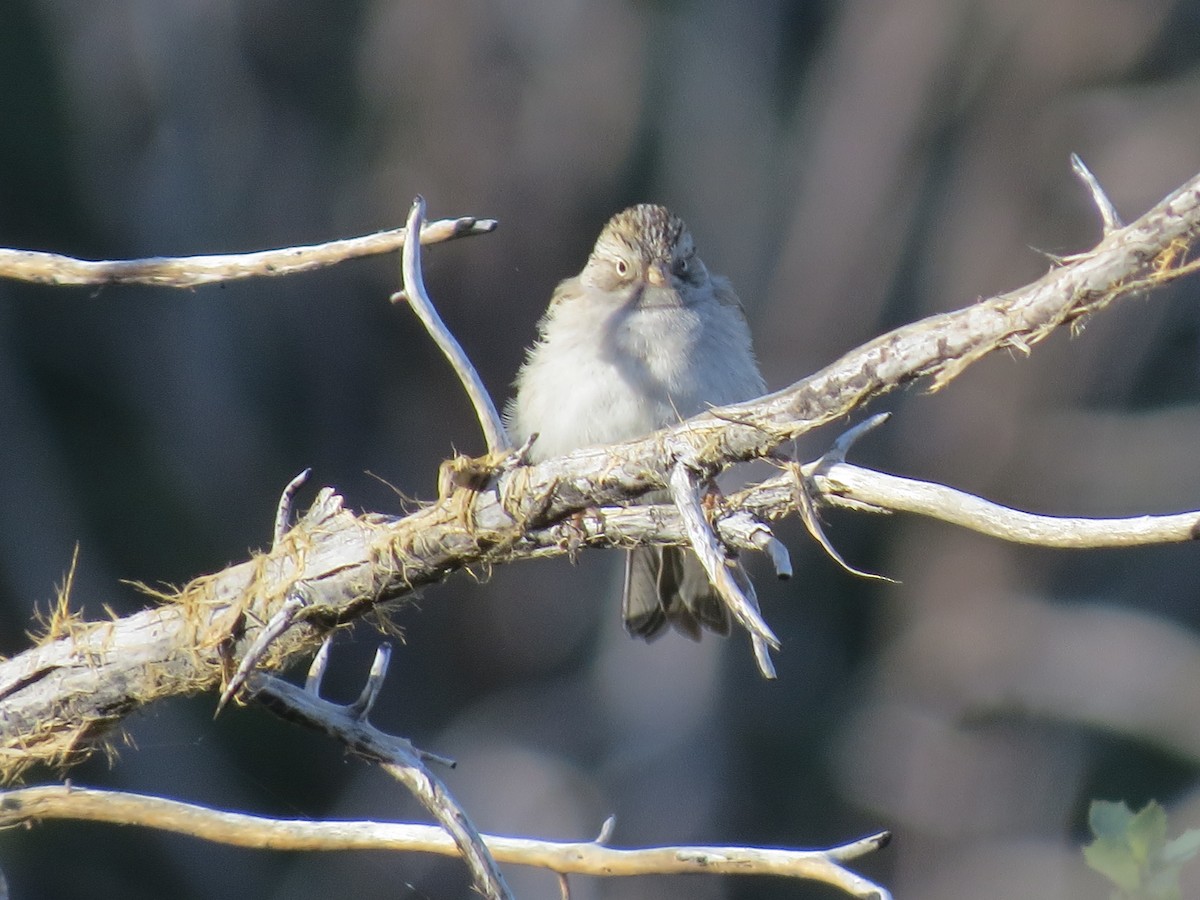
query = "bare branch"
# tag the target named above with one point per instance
(414, 292)
(762, 651)
(283, 618)
(855, 486)
(192, 271)
(582, 858)
(851, 436)
(59, 698)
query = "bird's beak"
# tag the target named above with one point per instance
(658, 274)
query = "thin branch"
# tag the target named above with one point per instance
(762, 657)
(861, 488)
(865, 490)
(286, 615)
(758, 643)
(806, 503)
(581, 858)
(192, 271)
(414, 292)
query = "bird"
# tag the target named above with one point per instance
(642, 338)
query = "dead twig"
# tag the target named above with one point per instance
(736, 592)
(418, 298)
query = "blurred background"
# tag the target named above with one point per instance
(852, 166)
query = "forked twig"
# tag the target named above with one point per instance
(395, 755)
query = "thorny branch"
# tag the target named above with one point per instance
(59, 697)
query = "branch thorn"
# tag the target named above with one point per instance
(1109, 216)
(283, 513)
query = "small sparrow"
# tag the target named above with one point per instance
(642, 338)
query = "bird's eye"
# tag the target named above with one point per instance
(680, 266)
(622, 267)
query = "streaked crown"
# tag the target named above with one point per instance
(651, 230)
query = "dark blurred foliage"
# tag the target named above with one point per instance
(851, 167)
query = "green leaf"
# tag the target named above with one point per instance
(1107, 819)
(1132, 851)
(1113, 859)
(1147, 832)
